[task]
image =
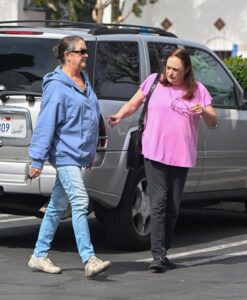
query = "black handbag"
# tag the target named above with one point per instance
(134, 155)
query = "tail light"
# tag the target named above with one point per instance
(103, 138)
(20, 32)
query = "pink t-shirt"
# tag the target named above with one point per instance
(171, 130)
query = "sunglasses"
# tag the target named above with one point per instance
(81, 51)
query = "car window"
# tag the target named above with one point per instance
(211, 73)
(157, 53)
(24, 62)
(117, 70)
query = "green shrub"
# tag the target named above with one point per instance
(238, 66)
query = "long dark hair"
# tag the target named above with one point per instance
(66, 44)
(189, 79)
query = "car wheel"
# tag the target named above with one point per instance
(99, 211)
(128, 226)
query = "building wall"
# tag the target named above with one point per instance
(194, 20)
(14, 10)
(190, 19)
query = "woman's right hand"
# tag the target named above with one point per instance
(127, 109)
(113, 120)
(34, 173)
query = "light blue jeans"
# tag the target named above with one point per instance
(69, 188)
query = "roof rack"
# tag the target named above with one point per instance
(112, 28)
(51, 23)
(94, 28)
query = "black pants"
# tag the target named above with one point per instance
(165, 184)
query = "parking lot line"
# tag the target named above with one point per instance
(17, 219)
(215, 258)
(203, 250)
(4, 215)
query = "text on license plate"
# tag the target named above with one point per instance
(5, 125)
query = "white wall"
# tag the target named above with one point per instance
(191, 19)
(194, 20)
(13, 10)
(8, 10)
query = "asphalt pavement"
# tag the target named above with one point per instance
(210, 246)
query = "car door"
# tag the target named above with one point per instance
(225, 147)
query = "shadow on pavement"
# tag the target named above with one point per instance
(194, 226)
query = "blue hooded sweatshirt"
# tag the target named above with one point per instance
(66, 132)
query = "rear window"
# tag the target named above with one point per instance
(117, 71)
(157, 53)
(24, 62)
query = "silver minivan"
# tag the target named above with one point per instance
(120, 58)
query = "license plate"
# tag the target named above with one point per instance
(13, 125)
(5, 125)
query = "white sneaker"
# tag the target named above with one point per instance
(96, 266)
(43, 264)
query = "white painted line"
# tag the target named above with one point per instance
(203, 250)
(211, 259)
(4, 215)
(17, 219)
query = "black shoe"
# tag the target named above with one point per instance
(157, 265)
(168, 264)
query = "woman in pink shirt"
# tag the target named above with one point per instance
(169, 143)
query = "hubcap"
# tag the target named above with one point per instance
(141, 208)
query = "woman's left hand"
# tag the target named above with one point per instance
(89, 167)
(197, 109)
(208, 113)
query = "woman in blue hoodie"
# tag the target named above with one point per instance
(66, 135)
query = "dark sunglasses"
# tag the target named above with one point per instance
(81, 51)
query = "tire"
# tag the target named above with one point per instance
(99, 211)
(128, 226)
(245, 206)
